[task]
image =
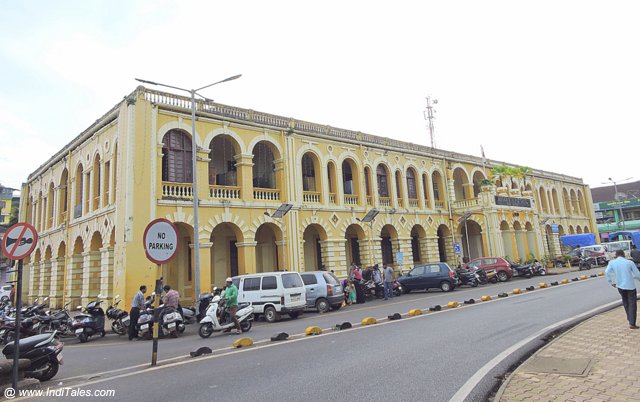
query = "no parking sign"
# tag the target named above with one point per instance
(161, 241)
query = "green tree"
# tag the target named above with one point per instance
(499, 173)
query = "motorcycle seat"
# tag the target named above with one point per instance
(25, 344)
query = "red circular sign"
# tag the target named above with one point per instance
(160, 240)
(19, 241)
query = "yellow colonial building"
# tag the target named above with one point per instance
(91, 201)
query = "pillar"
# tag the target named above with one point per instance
(207, 281)
(73, 290)
(244, 166)
(555, 245)
(468, 191)
(334, 256)
(246, 257)
(90, 286)
(45, 278)
(57, 282)
(452, 258)
(367, 255)
(32, 289)
(106, 272)
(429, 251)
(403, 245)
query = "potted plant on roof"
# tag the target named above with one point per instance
(486, 185)
(498, 174)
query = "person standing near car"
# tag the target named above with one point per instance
(357, 282)
(231, 301)
(388, 282)
(624, 272)
(137, 304)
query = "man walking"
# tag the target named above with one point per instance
(624, 271)
(137, 304)
(388, 283)
(231, 300)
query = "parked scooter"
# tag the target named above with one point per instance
(91, 323)
(29, 326)
(397, 288)
(586, 263)
(217, 318)
(172, 322)
(468, 277)
(44, 352)
(522, 270)
(60, 321)
(119, 318)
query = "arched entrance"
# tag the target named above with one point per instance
(507, 241)
(178, 273)
(224, 253)
(388, 243)
(474, 247)
(356, 239)
(268, 254)
(313, 258)
(91, 270)
(418, 237)
(444, 236)
(520, 242)
(74, 275)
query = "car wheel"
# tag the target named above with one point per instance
(336, 306)
(294, 314)
(502, 276)
(270, 314)
(322, 305)
(445, 286)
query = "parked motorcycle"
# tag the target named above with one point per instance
(59, 321)
(586, 263)
(44, 352)
(144, 325)
(397, 288)
(373, 290)
(538, 269)
(468, 277)
(522, 270)
(91, 322)
(29, 326)
(119, 318)
(217, 318)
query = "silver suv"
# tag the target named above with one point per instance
(324, 291)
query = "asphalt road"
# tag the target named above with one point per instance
(422, 358)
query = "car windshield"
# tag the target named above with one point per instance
(291, 281)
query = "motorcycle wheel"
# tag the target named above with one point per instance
(245, 325)
(48, 372)
(118, 328)
(474, 284)
(181, 328)
(543, 272)
(397, 292)
(83, 337)
(205, 330)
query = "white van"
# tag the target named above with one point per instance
(272, 293)
(614, 246)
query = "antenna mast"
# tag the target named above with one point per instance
(428, 115)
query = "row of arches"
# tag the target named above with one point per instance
(573, 202)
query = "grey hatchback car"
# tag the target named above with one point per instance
(324, 291)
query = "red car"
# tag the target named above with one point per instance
(499, 265)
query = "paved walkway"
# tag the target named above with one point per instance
(614, 374)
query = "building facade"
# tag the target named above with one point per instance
(617, 208)
(93, 199)
(6, 202)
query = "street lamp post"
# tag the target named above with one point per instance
(194, 158)
(615, 197)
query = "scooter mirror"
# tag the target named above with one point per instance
(79, 307)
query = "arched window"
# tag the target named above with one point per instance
(222, 166)
(308, 174)
(50, 209)
(347, 178)
(425, 190)
(177, 157)
(398, 184)
(64, 194)
(412, 191)
(264, 167)
(77, 208)
(383, 183)
(437, 186)
(96, 183)
(367, 185)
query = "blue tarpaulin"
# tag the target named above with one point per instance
(578, 240)
(633, 236)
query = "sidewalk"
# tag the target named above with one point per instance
(603, 349)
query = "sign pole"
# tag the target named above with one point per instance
(16, 353)
(156, 320)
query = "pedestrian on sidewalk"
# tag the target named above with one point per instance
(388, 282)
(357, 283)
(624, 271)
(137, 304)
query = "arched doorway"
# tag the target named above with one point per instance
(579, 230)
(474, 247)
(388, 244)
(444, 237)
(571, 230)
(311, 183)
(178, 273)
(222, 165)
(350, 182)
(224, 252)
(265, 180)
(268, 254)
(418, 237)
(520, 242)
(438, 190)
(382, 175)
(313, 256)
(460, 181)
(356, 240)
(510, 250)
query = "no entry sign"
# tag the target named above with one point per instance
(19, 241)
(160, 241)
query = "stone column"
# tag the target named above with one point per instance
(101, 184)
(106, 272)
(429, 251)
(32, 288)
(334, 256)
(452, 258)
(468, 191)
(45, 278)
(246, 257)
(57, 282)
(244, 166)
(73, 290)
(207, 281)
(366, 256)
(403, 245)
(90, 276)
(555, 245)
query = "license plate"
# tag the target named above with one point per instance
(171, 325)
(144, 326)
(79, 330)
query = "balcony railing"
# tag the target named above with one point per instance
(413, 202)
(332, 198)
(470, 203)
(439, 204)
(369, 200)
(385, 201)
(224, 192)
(351, 199)
(266, 194)
(401, 202)
(183, 191)
(311, 197)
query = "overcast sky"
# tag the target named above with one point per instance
(552, 85)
